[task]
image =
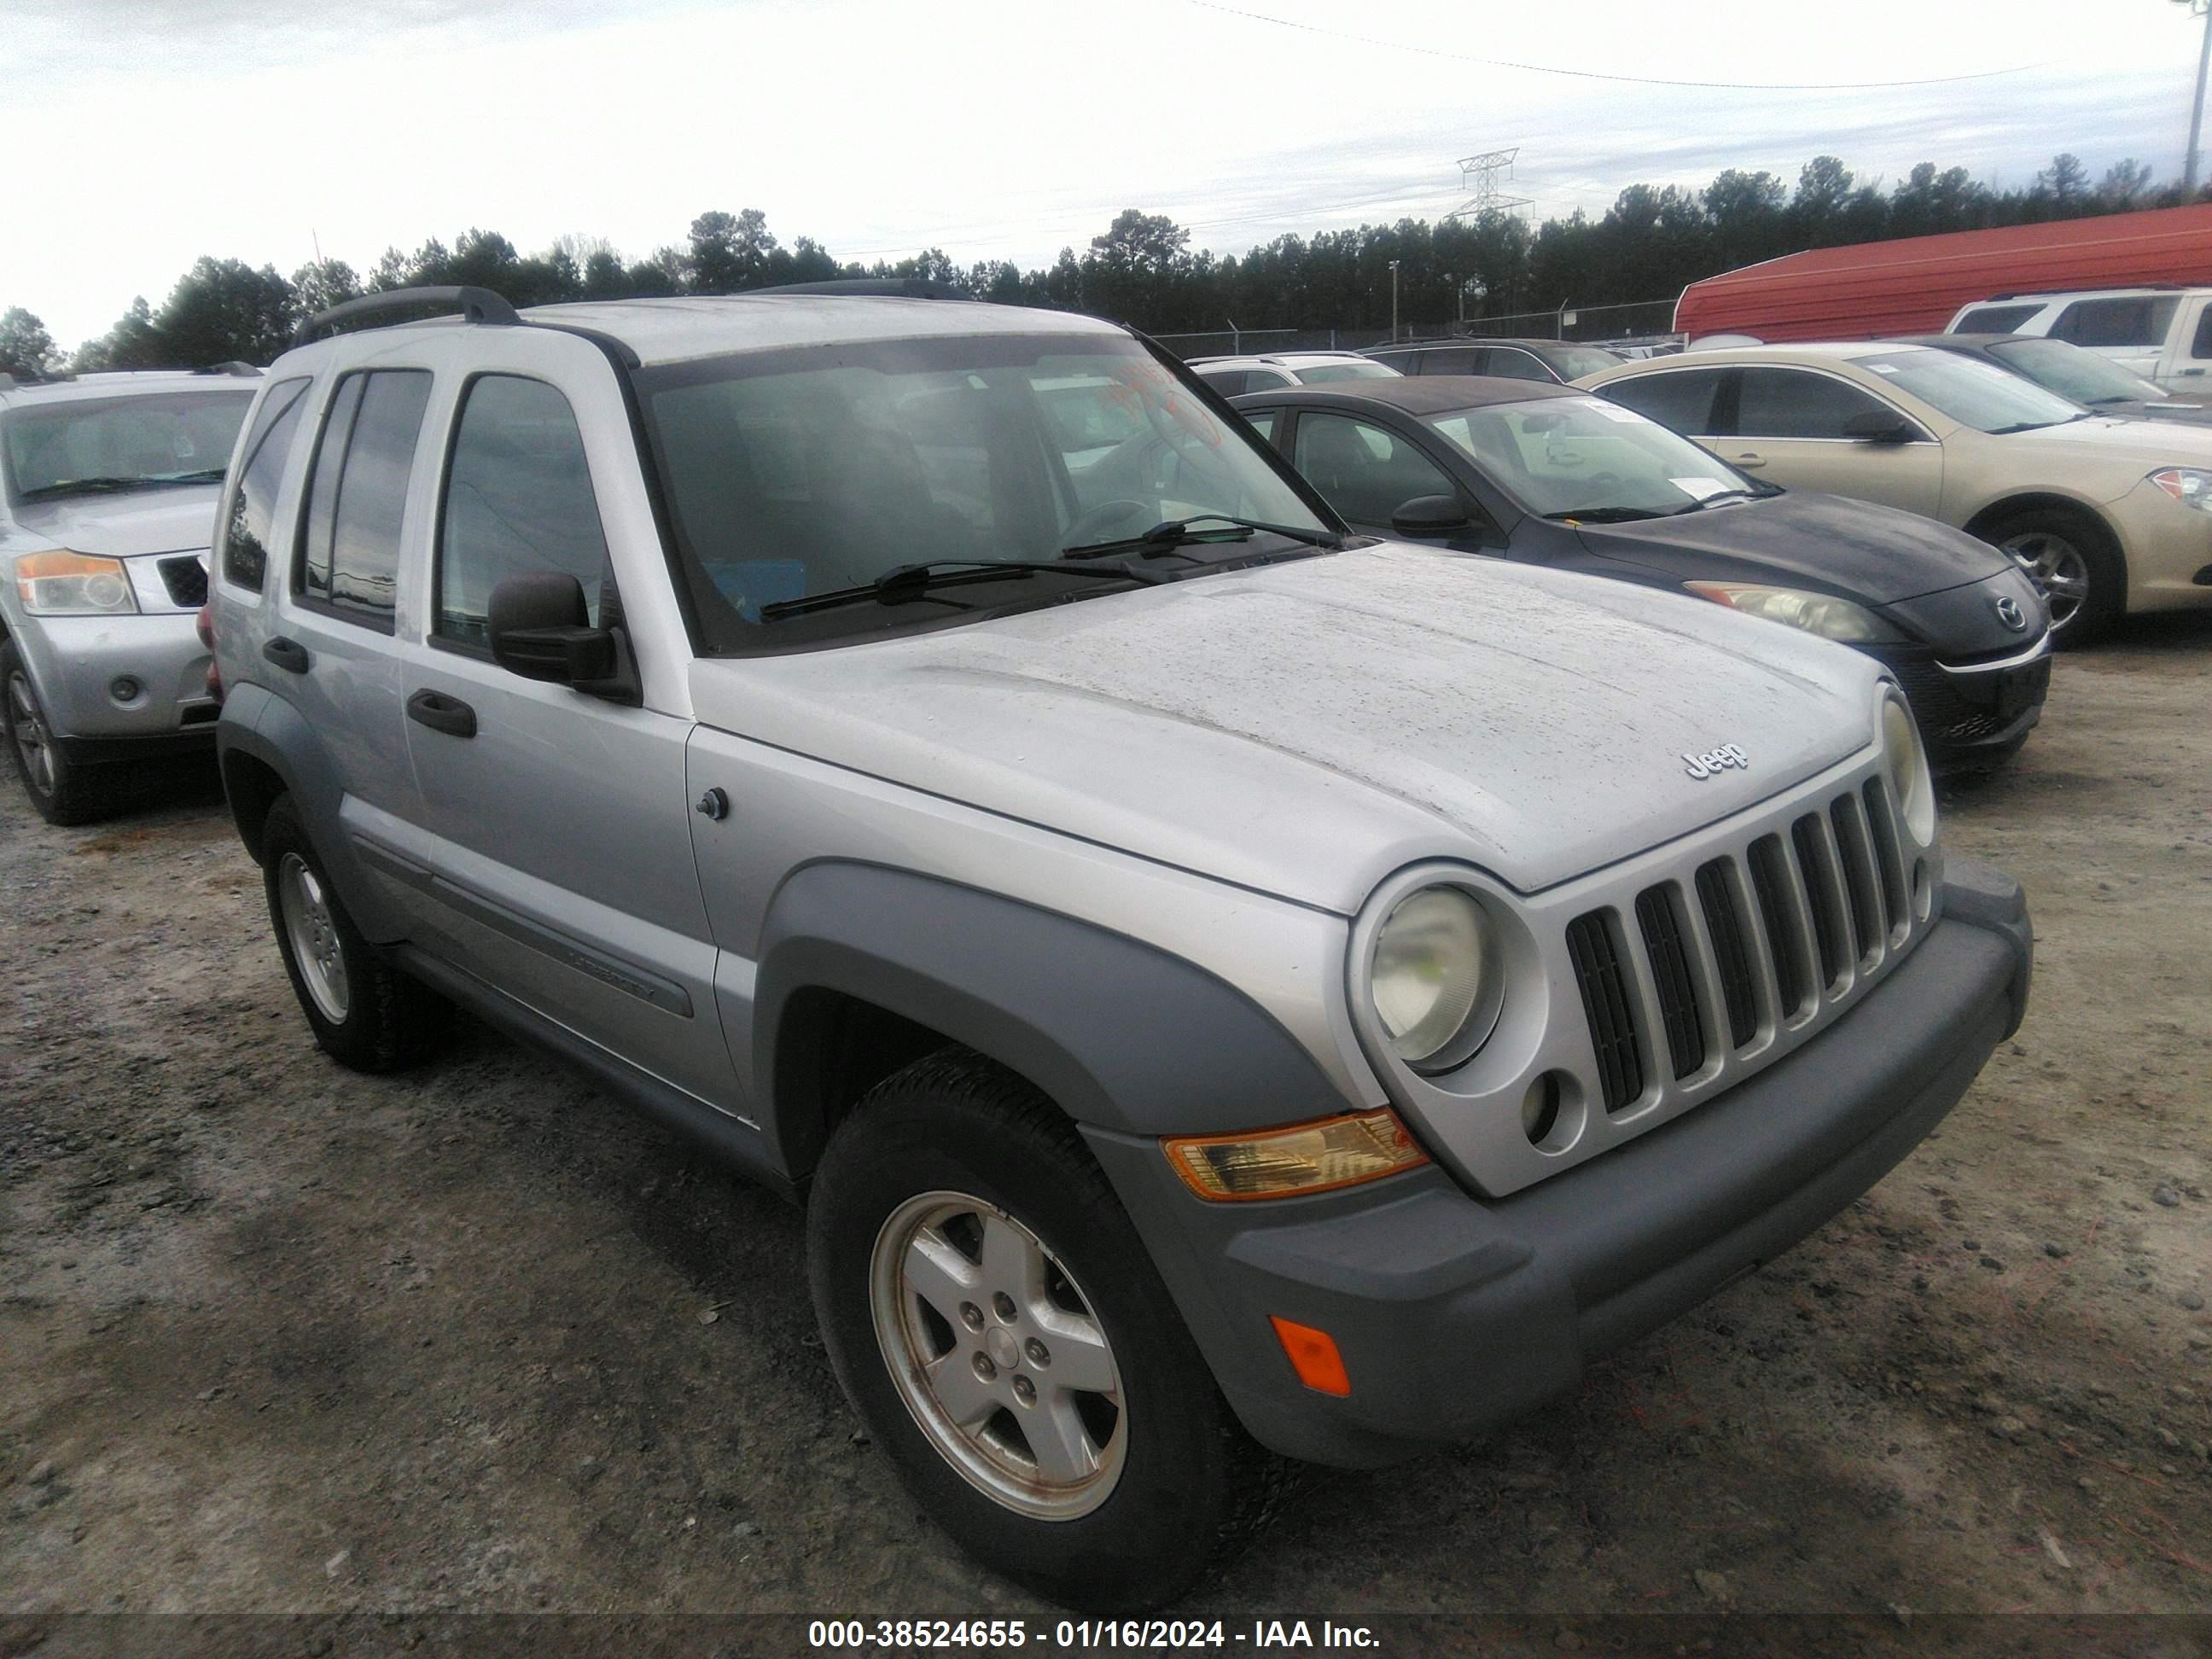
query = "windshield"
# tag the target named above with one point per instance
(1976, 394)
(80, 445)
(792, 474)
(1572, 362)
(2073, 373)
(1572, 456)
(1322, 373)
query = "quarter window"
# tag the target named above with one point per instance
(1263, 422)
(1782, 402)
(357, 494)
(245, 554)
(1366, 473)
(518, 501)
(1680, 399)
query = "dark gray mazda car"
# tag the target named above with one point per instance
(1551, 475)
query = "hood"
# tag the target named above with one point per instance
(177, 519)
(1877, 555)
(1305, 729)
(2118, 445)
(2177, 410)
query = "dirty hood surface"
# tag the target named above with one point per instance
(177, 519)
(1306, 729)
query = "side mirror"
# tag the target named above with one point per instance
(1880, 425)
(541, 629)
(1430, 515)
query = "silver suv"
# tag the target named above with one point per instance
(1223, 990)
(108, 487)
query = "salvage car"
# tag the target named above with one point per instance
(2095, 382)
(1549, 362)
(1548, 476)
(1223, 990)
(2111, 518)
(1230, 375)
(108, 487)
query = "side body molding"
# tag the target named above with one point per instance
(1123, 1036)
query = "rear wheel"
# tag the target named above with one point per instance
(365, 1012)
(63, 791)
(995, 1319)
(2071, 560)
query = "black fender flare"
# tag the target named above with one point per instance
(1122, 1035)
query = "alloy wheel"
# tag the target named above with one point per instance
(313, 934)
(32, 741)
(2055, 566)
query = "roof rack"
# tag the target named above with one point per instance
(2110, 288)
(872, 288)
(234, 366)
(475, 305)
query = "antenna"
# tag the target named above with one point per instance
(1480, 176)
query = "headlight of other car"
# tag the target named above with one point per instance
(1906, 759)
(66, 584)
(1824, 614)
(2190, 486)
(1435, 977)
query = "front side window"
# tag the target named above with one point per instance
(244, 555)
(1975, 394)
(1509, 364)
(1679, 399)
(1587, 458)
(2136, 319)
(2073, 373)
(357, 494)
(1994, 319)
(518, 501)
(1790, 403)
(2201, 347)
(1366, 472)
(795, 474)
(100, 446)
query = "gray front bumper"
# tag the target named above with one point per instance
(1454, 1314)
(75, 662)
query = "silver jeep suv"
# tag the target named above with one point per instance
(1223, 990)
(107, 489)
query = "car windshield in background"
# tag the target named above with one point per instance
(1322, 373)
(1572, 362)
(85, 446)
(789, 479)
(1583, 457)
(2073, 373)
(1975, 394)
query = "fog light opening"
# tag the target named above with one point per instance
(1552, 1112)
(1923, 890)
(125, 689)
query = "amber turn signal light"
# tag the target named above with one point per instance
(1306, 1157)
(1313, 1356)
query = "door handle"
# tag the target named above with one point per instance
(443, 713)
(1749, 458)
(288, 654)
(2192, 371)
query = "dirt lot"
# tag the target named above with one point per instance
(277, 1337)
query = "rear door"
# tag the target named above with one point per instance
(1789, 426)
(554, 833)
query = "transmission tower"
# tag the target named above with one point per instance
(1480, 176)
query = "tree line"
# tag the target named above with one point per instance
(1652, 242)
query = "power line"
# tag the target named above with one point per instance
(1599, 75)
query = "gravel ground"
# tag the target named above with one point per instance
(277, 1337)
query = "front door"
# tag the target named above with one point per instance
(1789, 427)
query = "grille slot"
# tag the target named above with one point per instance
(1857, 860)
(1785, 935)
(1731, 951)
(186, 580)
(1816, 864)
(1665, 933)
(1597, 957)
(1887, 859)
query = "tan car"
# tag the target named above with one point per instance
(2109, 517)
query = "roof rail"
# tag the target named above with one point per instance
(2109, 288)
(475, 305)
(872, 288)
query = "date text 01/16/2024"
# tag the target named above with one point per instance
(877, 1634)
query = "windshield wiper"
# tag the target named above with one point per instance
(1605, 514)
(1170, 533)
(1704, 502)
(905, 581)
(89, 486)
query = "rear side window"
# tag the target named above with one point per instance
(1784, 402)
(518, 501)
(1452, 360)
(1514, 365)
(1680, 399)
(244, 555)
(1994, 319)
(2137, 320)
(1263, 422)
(1229, 382)
(357, 494)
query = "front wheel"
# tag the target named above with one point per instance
(2072, 562)
(995, 1319)
(63, 791)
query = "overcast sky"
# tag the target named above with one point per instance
(135, 135)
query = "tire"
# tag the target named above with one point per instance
(2073, 562)
(365, 1012)
(956, 1154)
(63, 791)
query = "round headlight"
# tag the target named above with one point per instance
(1432, 975)
(1907, 763)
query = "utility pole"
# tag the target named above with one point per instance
(1393, 302)
(2197, 9)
